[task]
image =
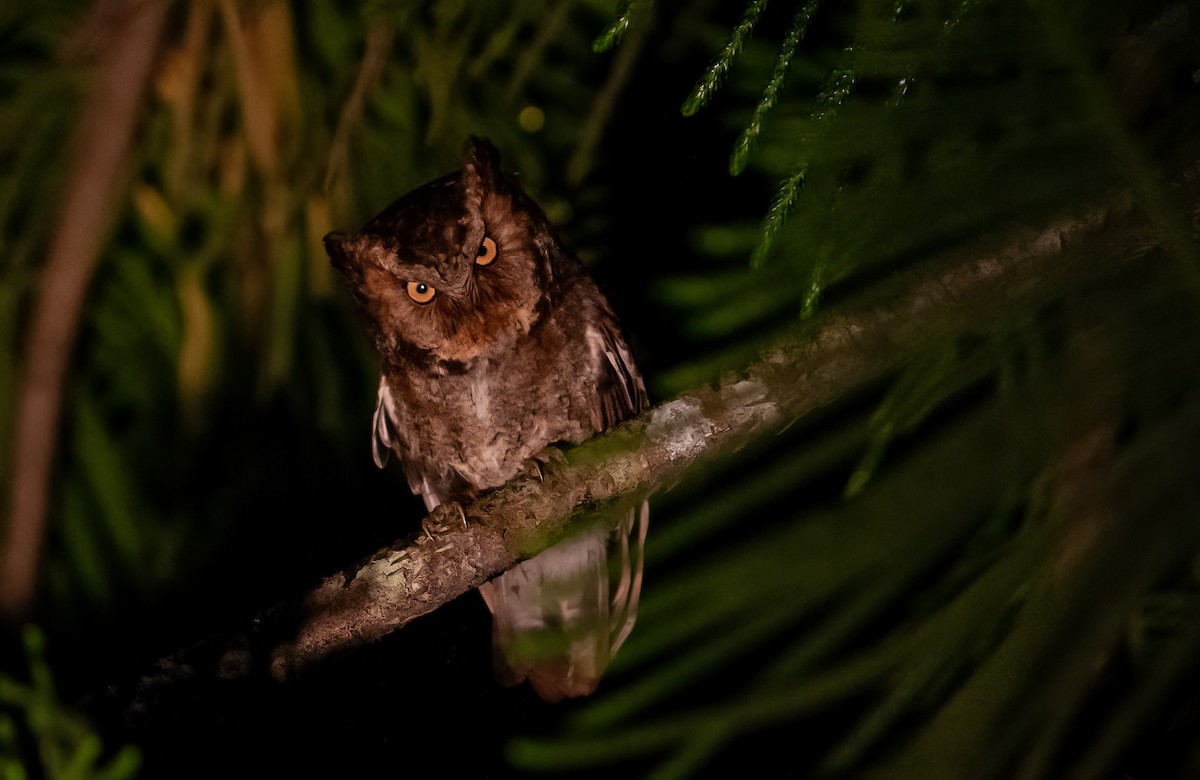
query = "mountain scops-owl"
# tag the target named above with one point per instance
(494, 344)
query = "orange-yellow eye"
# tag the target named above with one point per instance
(421, 292)
(487, 252)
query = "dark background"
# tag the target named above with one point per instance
(185, 501)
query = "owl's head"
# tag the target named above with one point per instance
(456, 269)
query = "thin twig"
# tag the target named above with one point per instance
(370, 71)
(584, 158)
(102, 146)
(530, 59)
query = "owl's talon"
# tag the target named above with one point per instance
(536, 466)
(442, 518)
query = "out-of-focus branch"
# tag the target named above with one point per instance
(370, 72)
(605, 103)
(101, 148)
(834, 354)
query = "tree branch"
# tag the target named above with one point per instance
(833, 354)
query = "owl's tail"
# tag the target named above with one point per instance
(559, 617)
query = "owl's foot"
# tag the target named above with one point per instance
(536, 466)
(444, 518)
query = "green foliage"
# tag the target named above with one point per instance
(984, 565)
(915, 125)
(65, 747)
(215, 292)
(953, 574)
(712, 79)
(616, 31)
(770, 96)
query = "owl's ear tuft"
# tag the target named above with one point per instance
(338, 251)
(481, 166)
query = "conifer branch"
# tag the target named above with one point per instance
(770, 95)
(712, 79)
(782, 205)
(613, 34)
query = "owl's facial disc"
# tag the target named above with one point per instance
(423, 293)
(455, 270)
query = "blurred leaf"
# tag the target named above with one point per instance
(67, 749)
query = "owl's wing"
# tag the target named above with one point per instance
(620, 391)
(384, 440)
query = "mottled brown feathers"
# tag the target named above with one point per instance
(503, 360)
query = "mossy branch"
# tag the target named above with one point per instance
(828, 356)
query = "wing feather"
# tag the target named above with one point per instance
(620, 391)
(384, 440)
(390, 427)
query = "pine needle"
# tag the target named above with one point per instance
(616, 31)
(781, 208)
(770, 95)
(712, 79)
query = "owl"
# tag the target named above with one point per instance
(494, 344)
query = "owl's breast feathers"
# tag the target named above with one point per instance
(559, 617)
(494, 345)
(466, 427)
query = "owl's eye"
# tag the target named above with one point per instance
(421, 292)
(487, 252)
